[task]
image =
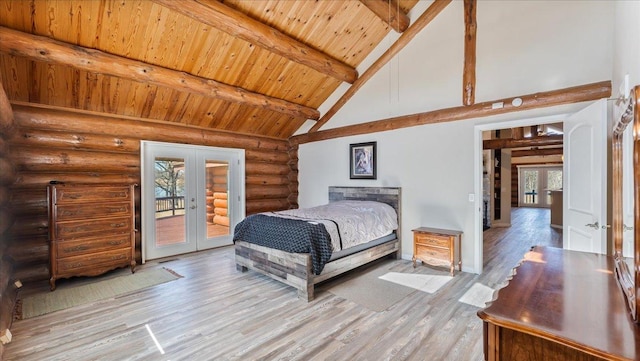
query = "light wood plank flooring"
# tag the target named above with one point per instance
(217, 313)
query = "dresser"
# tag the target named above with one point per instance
(560, 305)
(91, 229)
(437, 247)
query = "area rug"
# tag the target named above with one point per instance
(370, 291)
(62, 298)
(478, 295)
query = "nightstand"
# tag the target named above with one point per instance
(437, 247)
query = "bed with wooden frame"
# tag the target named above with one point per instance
(295, 269)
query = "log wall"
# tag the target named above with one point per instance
(55, 144)
(8, 292)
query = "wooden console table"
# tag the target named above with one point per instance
(560, 305)
(438, 247)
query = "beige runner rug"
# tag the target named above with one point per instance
(62, 298)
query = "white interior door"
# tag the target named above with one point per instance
(584, 195)
(192, 197)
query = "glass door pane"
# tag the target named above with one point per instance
(217, 191)
(530, 187)
(554, 182)
(170, 225)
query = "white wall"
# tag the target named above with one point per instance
(523, 47)
(626, 52)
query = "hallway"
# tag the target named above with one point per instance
(504, 247)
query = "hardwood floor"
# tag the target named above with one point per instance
(218, 313)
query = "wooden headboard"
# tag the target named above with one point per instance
(388, 195)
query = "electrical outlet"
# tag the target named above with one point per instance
(472, 197)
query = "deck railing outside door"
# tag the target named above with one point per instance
(166, 204)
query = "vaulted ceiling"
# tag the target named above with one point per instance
(252, 66)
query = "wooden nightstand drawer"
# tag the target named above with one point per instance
(437, 255)
(432, 240)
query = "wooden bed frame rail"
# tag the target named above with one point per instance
(294, 269)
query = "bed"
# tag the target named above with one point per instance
(298, 269)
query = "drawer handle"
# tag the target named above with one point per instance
(73, 265)
(76, 248)
(120, 256)
(121, 209)
(118, 225)
(115, 243)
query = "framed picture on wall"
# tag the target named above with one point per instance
(362, 160)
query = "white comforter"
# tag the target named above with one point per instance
(353, 222)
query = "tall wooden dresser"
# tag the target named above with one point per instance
(91, 229)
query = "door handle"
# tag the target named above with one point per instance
(595, 225)
(626, 228)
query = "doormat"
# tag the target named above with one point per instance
(62, 298)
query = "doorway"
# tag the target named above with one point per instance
(584, 182)
(192, 197)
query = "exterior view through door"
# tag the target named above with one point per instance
(192, 197)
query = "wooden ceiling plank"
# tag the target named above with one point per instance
(581, 93)
(424, 19)
(389, 12)
(239, 25)
(469, 73)
(502, 143)
(51, 51)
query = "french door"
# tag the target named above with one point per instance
(535, 184)
(192, 197)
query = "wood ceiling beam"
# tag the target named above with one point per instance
(52, 51)
(536, 152)
(517, 133)
(582, 93)
(389, 12)
(239, 25)
(6, 114)
(434, 9)
(469, 73)
(526, 142)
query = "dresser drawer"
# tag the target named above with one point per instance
(72, 211)
(432, 240)
(91, 228)
(98, 194)
(92, 245)
(90, 262)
